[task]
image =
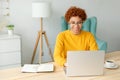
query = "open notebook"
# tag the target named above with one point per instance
(47, 67)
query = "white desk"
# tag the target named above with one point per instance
(15, 73)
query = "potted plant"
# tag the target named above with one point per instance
(10, 29)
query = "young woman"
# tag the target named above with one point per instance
(74, 38)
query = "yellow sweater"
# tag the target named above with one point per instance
(66, 41)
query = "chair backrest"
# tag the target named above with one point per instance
(89, 24)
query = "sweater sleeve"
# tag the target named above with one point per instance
(59, 54)
(93, 43)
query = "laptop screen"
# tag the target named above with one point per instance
(85, 63)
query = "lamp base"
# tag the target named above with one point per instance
(40, 33)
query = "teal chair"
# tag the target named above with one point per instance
(89, 25)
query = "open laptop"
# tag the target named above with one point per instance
(85, 63)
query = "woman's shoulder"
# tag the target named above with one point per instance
(64, 32)
(87, 33)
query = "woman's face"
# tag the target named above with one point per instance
(75, 24)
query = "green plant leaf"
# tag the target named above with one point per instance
(10, 27)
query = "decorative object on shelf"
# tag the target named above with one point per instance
(3, 23)
(4, 13)
(5, 8)
(10, 29)
(41, 10)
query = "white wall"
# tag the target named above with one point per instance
(106, 12)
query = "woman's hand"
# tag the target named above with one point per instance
(65, 65)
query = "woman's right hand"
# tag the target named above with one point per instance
(65, 65)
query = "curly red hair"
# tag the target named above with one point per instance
(74, 11)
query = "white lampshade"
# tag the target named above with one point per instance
(41, 9)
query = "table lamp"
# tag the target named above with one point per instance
(41, 10)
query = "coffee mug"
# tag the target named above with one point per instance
(109, 64)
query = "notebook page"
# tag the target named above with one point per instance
(46, 67)
(30, 68)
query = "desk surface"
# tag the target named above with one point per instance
(109, 74)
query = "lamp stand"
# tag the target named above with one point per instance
(40, 38)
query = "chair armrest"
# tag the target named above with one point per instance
(102, 45)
